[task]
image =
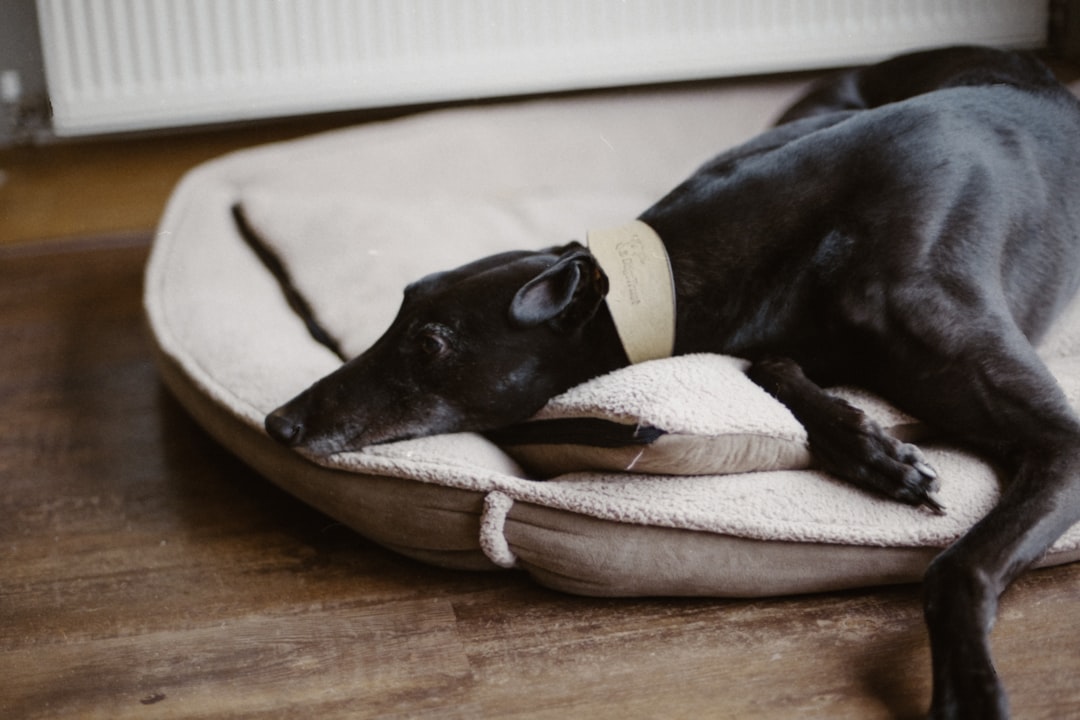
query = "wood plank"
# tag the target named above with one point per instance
(147, 573)
(294, 659)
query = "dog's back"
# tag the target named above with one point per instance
(914, 74)
(971, 178)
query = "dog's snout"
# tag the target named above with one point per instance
(287, 430)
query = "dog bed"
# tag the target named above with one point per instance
(724, 502)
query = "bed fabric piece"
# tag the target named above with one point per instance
(723, 504)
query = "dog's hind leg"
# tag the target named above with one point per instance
(990, 390)
(963, 584)
(995, 393)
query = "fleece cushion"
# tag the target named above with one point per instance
(725, 502)
(713, 420)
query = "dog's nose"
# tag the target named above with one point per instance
(286, 430)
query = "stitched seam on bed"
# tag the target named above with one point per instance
(298, 303)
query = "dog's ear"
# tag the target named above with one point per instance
(565, 295)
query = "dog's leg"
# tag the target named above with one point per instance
(963, 584)
(995, 393)
(847, 443)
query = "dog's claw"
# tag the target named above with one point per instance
(933, 505)
(924, 498)
(926, 470)
(928, 501)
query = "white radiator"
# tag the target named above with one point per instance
(115, 65)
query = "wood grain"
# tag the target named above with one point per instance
(146, 573)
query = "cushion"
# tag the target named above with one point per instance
(719, 499)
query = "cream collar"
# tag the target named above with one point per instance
(641, 294)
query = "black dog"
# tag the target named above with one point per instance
(909, 227)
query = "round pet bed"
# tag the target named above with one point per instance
(724, 503)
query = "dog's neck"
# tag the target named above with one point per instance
(641, 293)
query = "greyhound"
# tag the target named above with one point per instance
(908, 227)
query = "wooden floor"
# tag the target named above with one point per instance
(146, 573)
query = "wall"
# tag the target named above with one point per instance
(23, 103)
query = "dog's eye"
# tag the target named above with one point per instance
(432, 344)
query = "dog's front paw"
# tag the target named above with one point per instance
(856, 448)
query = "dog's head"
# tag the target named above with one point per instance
(476, 348)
